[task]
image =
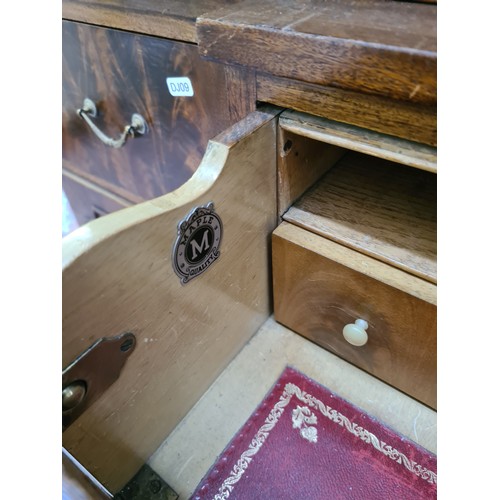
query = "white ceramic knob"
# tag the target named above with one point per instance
(355, 333)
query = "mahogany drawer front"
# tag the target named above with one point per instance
(320, 286)
(89, 201)
(125, 73)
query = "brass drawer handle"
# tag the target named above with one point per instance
(137, 125)
(355, 333)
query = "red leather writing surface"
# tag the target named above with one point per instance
(303, 442)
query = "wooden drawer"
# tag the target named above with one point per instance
(320, 286)
(206, 351)
(359, 242)
(88, 201)
(125, 73)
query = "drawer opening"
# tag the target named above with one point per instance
(362, 197)
(358, 240)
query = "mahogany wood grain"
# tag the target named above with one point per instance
(124, 73)
(387, 116)
(99, 182)
(174, 19)
(316, 296)
(380, 208)
(118, 276)
(364, 46)
(357, 139)
(241, 92)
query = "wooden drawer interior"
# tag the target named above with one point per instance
(309, 146)
(164, 408)
(359, 241)
(377, 207)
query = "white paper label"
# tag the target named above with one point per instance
(180, 86)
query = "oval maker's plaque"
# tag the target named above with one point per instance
(196, 248)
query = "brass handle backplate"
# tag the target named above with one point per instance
(136, 127)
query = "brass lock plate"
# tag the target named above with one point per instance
(92, 373)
